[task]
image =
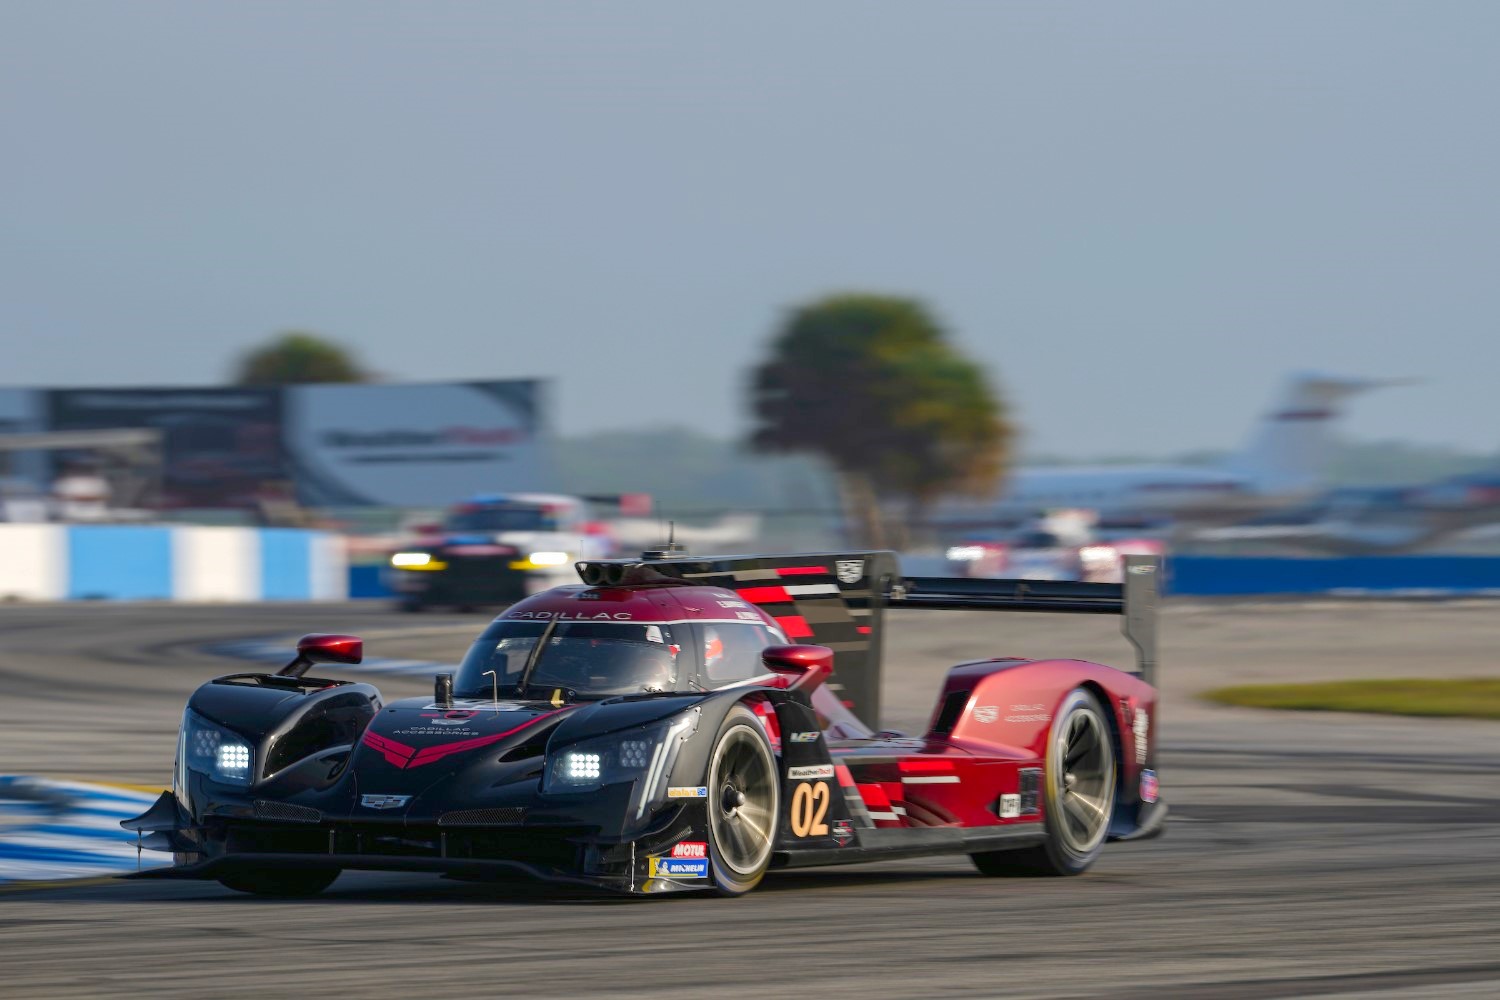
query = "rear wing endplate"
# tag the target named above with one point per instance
(1136, 600)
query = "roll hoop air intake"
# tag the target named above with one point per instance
(607, 573)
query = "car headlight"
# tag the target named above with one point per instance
(211, 749)
(411, 560)
(547, 558)
(644, 755)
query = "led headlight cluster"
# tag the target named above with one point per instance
(211, 749)
(636, 753)
(644, 754)
(582, 766)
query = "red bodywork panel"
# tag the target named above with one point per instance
(991, 721)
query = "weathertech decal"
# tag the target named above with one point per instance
(807, 771)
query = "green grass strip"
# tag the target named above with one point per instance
(1471, 698)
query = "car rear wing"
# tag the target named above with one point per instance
(839, 599)
(1136, 600)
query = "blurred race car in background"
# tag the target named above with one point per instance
(666, 726)
(1061, 545)
(499, 548)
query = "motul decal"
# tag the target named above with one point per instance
(690, 849)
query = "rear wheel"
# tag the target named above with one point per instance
(279, 881)
(1080, 795)
(744, 793)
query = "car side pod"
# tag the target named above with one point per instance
(804, 666)
(323, 647)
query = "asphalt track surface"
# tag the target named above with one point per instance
(1307, 854)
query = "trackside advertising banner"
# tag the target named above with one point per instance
(220, 446)
(414, 445)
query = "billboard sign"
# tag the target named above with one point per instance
(413, 445)
(220, 447)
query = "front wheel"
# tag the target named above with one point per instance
(744, 795)
(1079, 795)
(279, 882)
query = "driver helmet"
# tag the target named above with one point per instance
(713, 648)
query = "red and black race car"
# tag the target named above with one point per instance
(675, 724)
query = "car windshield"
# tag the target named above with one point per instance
(585, 659)
(503, 518)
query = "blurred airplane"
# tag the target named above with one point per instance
(1284, 460)
(1453, 514)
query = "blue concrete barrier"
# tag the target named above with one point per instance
(119, 562)
(368, 581)
(170, 563)
(1243, 576)
(1252, 575)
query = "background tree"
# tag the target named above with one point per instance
(873, 385)
(295, 357)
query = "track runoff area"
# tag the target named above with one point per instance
(1307, 853)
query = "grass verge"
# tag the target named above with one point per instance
(1470, 698)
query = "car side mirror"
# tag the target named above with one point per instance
(804, 666)
(322, 647)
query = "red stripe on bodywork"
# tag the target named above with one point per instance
(846, 779)
(925, 766)
(875, 798)
(394, 751)
(766, 595)
(802, 571)
(403, 756)
(795, 626)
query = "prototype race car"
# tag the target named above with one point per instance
(1061, 545)
(667, 725)
(499, 548)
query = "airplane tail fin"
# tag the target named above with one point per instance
(1290, 448)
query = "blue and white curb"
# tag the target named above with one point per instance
(145, 562)
(69, 829)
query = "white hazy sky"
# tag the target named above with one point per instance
(1140, 215)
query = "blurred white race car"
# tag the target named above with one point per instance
(1061, 545)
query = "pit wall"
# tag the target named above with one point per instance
(55, 562)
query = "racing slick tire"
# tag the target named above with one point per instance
(279, 881)
(744, 800)
(1079, 790)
